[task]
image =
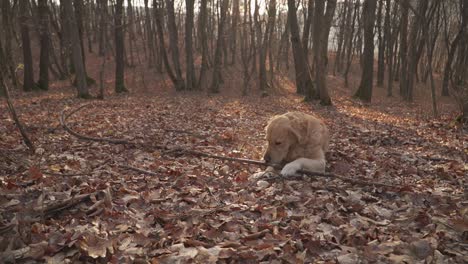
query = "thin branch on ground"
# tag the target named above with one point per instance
(26, 139)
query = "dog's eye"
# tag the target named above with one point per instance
(277, 143)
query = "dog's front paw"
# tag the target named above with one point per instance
(290, 169)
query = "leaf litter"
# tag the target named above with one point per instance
(84, 201)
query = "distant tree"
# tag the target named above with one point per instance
(246, 49)
(28, 76)
(322, 24)
(349, 40)
(8, 37)
(43, 82)
(304, 82)
(234, 30)
(202, 31)
(190, 72)
(266, 45)
(103, 17)
(119, 48)
(216, 81)
(308, 26)
(174, 42)
(72, 29)
(381, 37)
(404, 46)
(364, 91)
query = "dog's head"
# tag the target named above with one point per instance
(281, 136)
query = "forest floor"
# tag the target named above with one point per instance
(83, 201)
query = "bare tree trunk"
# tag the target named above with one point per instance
(322, 24)
(448, 63)
(174, 42)
(234, 30)
(345, 7)
(79, 15)
(102, 26)
(307, 27)
(72, 29)
(190, 73)
(28, 77)
(203, 40)
(283, 42)
(7, 31)
(217, 58)
(265, 46)
(390, 37)
(349, 45)
(246, 51)
(381, 47)
(43, 82)
(160, 31)
(304, 82)
(365, 88)
(119, 49)
(404, 47)
(131, 32)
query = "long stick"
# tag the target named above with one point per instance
(23, 133)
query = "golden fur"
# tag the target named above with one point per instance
(298, 141)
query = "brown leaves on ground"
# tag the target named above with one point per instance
(78, 201)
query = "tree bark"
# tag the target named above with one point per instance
(8, 36)
(381, 47)
(190, 72)
(43, 82)
(119, 49)
(217, 58)
(266, 45)
(364, 91)
(307, 27)
(28, 77)
(72, 29)
(404, 47)
(174, 42)
(204, 41)
(304, 82)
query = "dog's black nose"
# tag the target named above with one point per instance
(267, 158)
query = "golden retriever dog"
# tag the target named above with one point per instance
(298, 141)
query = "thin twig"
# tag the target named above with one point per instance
(137, 169)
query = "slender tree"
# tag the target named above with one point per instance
(8, 37)
(72, 29)
(216, 82)
(174, 42)
(364, 91)
(43, 82)
(28, 76)
(119, 48)
(322, 24)
(304, 82)
(190, 72)
(202, 31)
(266, 45)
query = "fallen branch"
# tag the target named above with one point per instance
(63, 119)
(54, 208)
(26, 139)
(63, 122)
(360, 182)
(137, 170)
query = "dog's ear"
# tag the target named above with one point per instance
(295, 133)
